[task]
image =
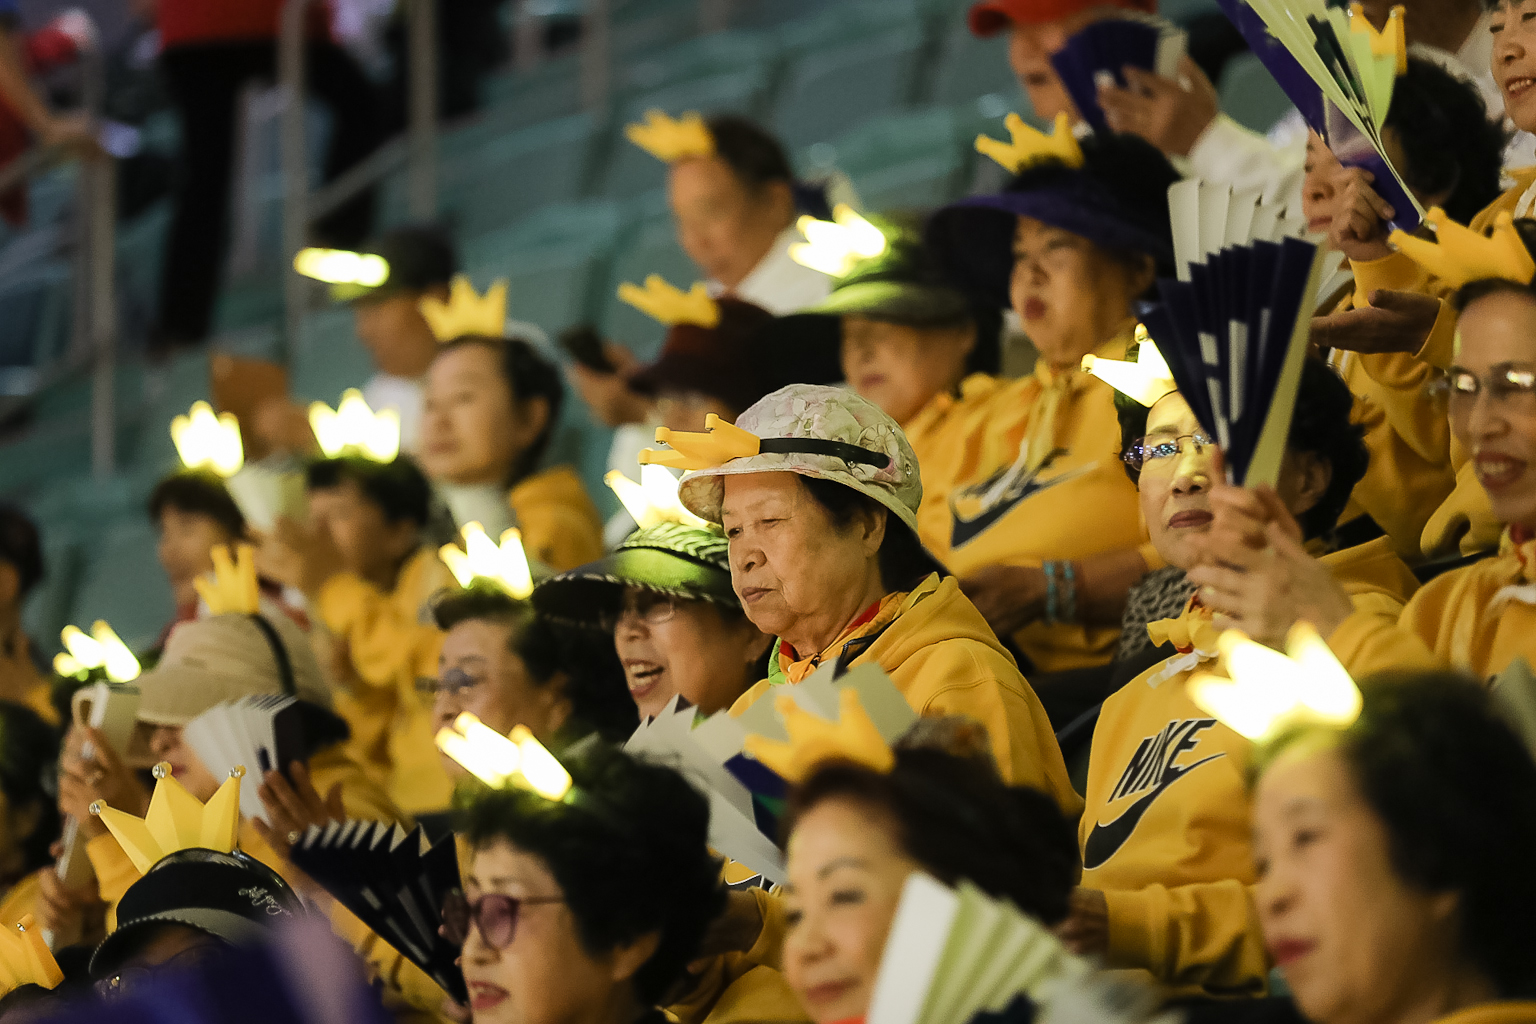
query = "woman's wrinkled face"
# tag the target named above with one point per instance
(1493, 400)
(671, 646)
(846, 872)
(723, 225)
(167, 744)
(544, 975)
(1355, 941)
(472, 430)
(478, 672)
(790, 563)
(1175, 491)
(1070, 295)
(1513, 25)
(901, 368)
(1319, 194)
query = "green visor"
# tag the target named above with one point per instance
(901, 302)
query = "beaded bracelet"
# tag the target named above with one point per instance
(1069, 575)
(1049, 569)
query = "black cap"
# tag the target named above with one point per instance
(903, 285)
(420, 256)
(229, 896)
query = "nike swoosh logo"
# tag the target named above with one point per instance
(1104, 841)
(964, 530)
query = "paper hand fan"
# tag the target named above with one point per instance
(1099, 53)
(395, 882)
(1339, 78)
(1234, 333)
(260, 733)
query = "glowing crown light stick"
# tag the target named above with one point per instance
(342, 266)
(498, 760)
(353, 427)
(1268, 691)
(204, 440)
(654, 499)
(505, 565)
(101, 648)
(1146, 380)
(835, 246)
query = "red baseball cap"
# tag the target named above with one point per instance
(991, 16)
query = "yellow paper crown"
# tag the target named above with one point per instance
(813, 739)
(206, 441)
(232, 588)
(25, 958)
(177, 820)
(342, 266)
(654, 499)
(480, 558)
(661, 301)
(1459, 254)
(718, 444)
(467, 311)
(835, 246)
(100, 649)
(1146, 380)
(671, 140)
(353, 428)
(498, 760)
(1391, 41)
(1268, 691)
(1031, 146)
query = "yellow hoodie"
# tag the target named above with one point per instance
(945, 660)
(1511, 1012)
(390, 644)
(1478, 618)
(1165, 834)
(560, 525)
(1039, 478)
(940, 434)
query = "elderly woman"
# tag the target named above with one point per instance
(855, 834)
(665, 598)
(1165, 867)
(924, 353)
(588, 908)
(1480, 618)
(818, 492)
(1043, 533)
(1393, 858)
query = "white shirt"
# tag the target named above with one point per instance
(778, 283)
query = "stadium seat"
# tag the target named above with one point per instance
(639, 25)
(551, 90)
(629, 170)
(329, 358)
(650, 248)
(911, 159)
(700, 57)
(86, 505)
(826, 90)
(554, 261)
(171, 391)
(46, 452)
(46, 611)
(121, 581)
(968, 67)
(35, 307)
(1250, 95)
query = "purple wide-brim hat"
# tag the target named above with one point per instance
(973, 238)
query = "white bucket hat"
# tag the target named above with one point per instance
(829, 433)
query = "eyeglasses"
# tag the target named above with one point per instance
(494, 915)
(454, 684)
(1507, 386)
(1141, 453)
(646, 605)
(127, 980)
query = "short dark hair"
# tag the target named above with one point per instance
(29, 752)
(197, 492)
(627, 850)
(904, 562)
(957, 818)
(22, 547)
(529, 374)
(1456, 789)
(398, 488)
(1449, 143)
(1322, 426)
(756, 156)
(553, 654)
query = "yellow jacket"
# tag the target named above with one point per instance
(1076, 501)
(20, 900)
(1165, 833)
(939, 435)
(1511, 1012)
(1464, 619)
(390, 644)
(560, 525)
(945, 660)
(1407, 429)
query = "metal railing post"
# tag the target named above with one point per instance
(421, 170)
(98, 241)
(294, 155)
(595, 50)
